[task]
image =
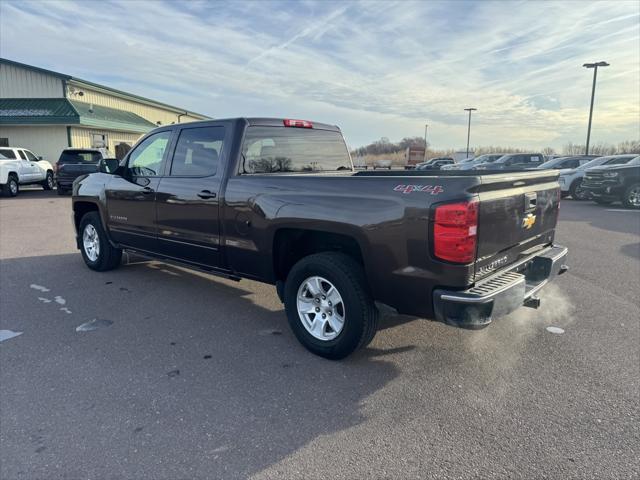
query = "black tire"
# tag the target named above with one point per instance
(360, 313)
(12, 187)
(576, 192)
(631, 198)
(108, 257)
(48, 181)
(602, 201)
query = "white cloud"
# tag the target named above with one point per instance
(377, 69)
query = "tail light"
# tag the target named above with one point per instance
(297, 123)
(455, 232)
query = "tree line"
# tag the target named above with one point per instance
(385, 147)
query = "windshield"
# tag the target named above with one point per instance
(551, 163)
(80, 156)
(619, 160)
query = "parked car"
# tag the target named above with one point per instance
(435, 164)
(19, 166)
(514, 161)
(74, 162)
(614, 182)
(561, 163)
(571, 179)
(469, 164)
(278, 201)
(382, 164)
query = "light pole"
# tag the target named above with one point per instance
(593, 92)
(469, 127)
(425, 141)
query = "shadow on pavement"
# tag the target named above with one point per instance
(193, 379)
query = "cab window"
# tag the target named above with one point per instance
(197, 151)
(147, 159)
(30, 156)
(22, 155)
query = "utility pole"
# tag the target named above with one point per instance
(469, 127)
(425, 141)
(593, 93)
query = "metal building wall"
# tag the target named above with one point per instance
(44, 141)
(16, 82)
(148, 112)
(82, 137)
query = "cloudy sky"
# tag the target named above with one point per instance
(374, 68)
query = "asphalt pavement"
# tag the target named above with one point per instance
(181, 375)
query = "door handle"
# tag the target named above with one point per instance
(206, 194)
(147, 190)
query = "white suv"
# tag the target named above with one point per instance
(571, 178)
(19, 166)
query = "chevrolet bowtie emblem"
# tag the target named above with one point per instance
(528, 221)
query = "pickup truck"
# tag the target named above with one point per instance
(19, 166)
(278, 201)
(614, 182)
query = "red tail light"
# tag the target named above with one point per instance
(297, 123)
(455, 232)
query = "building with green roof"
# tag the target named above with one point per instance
(47, 111)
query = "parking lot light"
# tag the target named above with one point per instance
(469, 127)
(593, 92)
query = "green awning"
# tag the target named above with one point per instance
(62, 111)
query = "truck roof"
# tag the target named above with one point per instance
(270, 122)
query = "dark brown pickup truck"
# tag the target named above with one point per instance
(278, 201)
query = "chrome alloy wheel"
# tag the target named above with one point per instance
(634, 196)
(13, 186)
(91, 242)
(320, 308)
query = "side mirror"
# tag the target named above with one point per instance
(40, 158)
(108, 165)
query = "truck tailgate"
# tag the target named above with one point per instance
(518, 214)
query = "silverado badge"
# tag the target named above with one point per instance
(528, 221)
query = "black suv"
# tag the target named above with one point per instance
(614, 182)
(74, 162)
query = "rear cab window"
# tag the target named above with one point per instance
(8, 153)
(293, 150)
(79, 156)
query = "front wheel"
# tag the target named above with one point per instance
(631, 198)
(48, 181)
(577, 192)
(96, 250)
(328, 305)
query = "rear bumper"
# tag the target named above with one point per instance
(501, 293)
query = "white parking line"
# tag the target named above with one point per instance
(7, 334)
(622, 210)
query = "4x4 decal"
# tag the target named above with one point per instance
(432, 189)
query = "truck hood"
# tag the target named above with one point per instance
(605, 168)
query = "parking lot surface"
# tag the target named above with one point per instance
(181, 375)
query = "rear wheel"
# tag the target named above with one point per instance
(631, 198)
(328, 305)
(48, 181)
(576, 191)
(96, 250)
(11, 188)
